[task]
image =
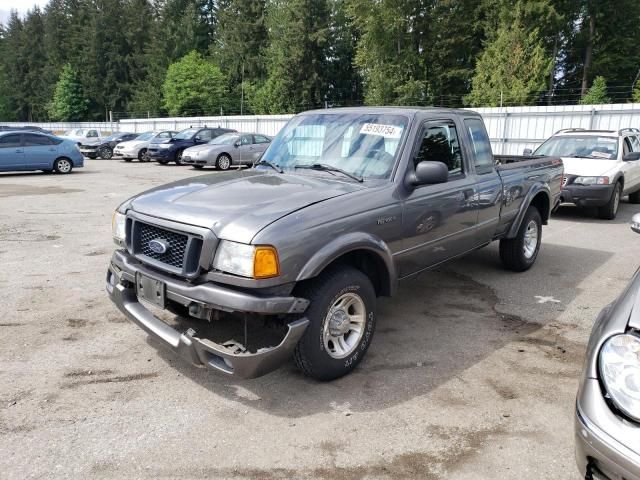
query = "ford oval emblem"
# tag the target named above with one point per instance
(158, 246)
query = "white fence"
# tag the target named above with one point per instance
(511, 129)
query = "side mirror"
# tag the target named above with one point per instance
(428, 173)
(237, 144)
(631, 157)
(635, 223)
(197, 138)
(527, 152)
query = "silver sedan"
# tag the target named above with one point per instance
(225, 151)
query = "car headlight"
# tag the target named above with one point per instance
(118, 227)
(620, 372)
(164, 145)
(253, 261)
(592, 180)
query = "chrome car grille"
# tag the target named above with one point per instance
(182, 255)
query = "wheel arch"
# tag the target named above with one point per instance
(63, 157)
(540, 198)
(366, 253)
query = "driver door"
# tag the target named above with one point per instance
(439, 220)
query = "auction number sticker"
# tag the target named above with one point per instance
(386, 131)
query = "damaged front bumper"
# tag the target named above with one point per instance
(202, 352)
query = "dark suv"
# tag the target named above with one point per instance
(171, 151)
(105, 149)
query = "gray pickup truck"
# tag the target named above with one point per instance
(288, 257)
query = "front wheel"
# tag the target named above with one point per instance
(610, 210)
(342, 321)
(142, 155)
(520, 253)
(106, 153)
(179, 157)
(62, 165)
(223, 162)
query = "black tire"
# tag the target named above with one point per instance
(610, 210)
(514, 253)
(634, 197)
(105, 153)
(142, 155)
(223, 162)
(63, 165)
(311, 355)
(179, 157)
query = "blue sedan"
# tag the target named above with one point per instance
(38, 151)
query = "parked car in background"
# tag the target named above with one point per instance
(8, 128)
(343, 204)
(137, 148)
(172, 150)
(225, 151)
(607, 417)
(21, 150)
(601, 166)
(84, 136)
(105, 148)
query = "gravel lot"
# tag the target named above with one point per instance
(472, 372)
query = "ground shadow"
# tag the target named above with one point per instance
(590, 215)
(439, 325)
(40, 173)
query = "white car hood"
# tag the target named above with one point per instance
(590, 167)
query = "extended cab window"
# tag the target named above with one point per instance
(9, 141)
(440, 143)
(483, 157)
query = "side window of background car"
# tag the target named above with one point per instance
(261, 139)
(440, 144)
(635, 144)
(92, 134)
(483, 160)
(626, 146)
(164, 135)
(10, 141)
(31, 140)
(205, 135)
(245, 140)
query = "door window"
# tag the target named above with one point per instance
(32, 140)
(92, 134)
(245, 140)
(204, 135)
(10, 141)
(635, 144)
(164, 135)
(440, 143)
(483, 160)
(261, 139)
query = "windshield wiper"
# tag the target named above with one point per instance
(329, 168)
(271, 164)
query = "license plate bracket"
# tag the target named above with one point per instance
(150, 290)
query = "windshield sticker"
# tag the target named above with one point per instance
(386, 131)
(598, 154)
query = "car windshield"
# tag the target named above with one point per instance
(226, 139)
(144, 136)
(364, 145)
(186, 134)
(580, 146)
(111, 137)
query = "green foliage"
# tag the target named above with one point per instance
(512, 69)
(193, 86)
(69, 102)
(635, 96)
(597, 94)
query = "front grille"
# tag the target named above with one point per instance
(182, 255)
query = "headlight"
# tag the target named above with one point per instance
(247, 260)
(118, 224)
(164, 145)
(592, 180)
(620, 372)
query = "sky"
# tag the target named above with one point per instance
(21, 5)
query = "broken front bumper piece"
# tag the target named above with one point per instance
(202, 351)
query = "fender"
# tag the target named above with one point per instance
(533, 191)
(349, 243)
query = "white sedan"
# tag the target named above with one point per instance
(137, 148)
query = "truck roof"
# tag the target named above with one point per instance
(409, 110)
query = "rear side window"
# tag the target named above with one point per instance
(481, 145)
(440, 144)
(635, 144)
(32, 140)
(9, 141)
(261, 139)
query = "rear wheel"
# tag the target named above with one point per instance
(106, 153)
(610, 210)
(223, 162)
(179, 157)
(520, 253)
(62, 165)
(142, 155)
(342, 322)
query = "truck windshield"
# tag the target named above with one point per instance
(587, 146)
(365, 145)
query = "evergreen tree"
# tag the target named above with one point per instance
(69, 102)
(597, 93)
(635, 95)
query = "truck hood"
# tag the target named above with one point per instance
(237, 205)
(589, 167)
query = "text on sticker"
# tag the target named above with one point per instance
(386, 131)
